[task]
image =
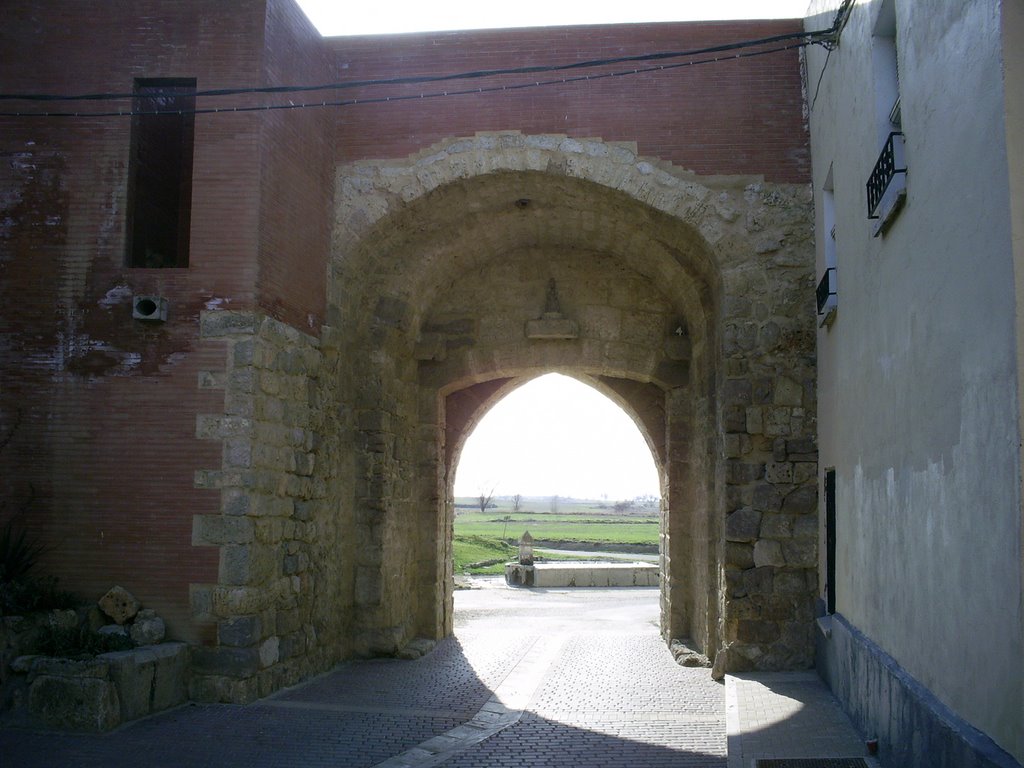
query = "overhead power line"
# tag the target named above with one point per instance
(421, 79)
(826, 38)
(409, 97)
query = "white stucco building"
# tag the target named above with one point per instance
(917, 134)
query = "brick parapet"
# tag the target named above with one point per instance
(732, 117)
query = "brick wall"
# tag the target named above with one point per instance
(296, 175)
(736, 117)
(101, 409)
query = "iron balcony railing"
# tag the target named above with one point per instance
(890, 163)
(826, 289)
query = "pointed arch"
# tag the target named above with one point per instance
(466, 409)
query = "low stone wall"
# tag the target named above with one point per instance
(582, 575)
(100, 693)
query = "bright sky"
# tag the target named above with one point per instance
(333, 17)
(557, 436)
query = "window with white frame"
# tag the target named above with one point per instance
(886, 186)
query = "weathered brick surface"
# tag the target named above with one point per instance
(737, 117)
(296, 164)
(101, 408)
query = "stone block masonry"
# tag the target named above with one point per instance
(113, 688)
(272, 489)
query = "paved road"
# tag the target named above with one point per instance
(544, 678)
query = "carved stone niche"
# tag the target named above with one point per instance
(677, 345)
(552, 324)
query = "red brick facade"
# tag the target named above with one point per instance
(98, 411)
(743, 116)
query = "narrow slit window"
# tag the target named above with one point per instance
(160, 173)
(830, 540)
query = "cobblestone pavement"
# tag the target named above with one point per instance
(532, 677)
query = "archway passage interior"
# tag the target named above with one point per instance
(482, 283)
(481, 263)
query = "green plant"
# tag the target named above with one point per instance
(79, 641)
(26, 595)
(19, 553)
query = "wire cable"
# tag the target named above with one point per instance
(838, 23)
(411, 97)
(806, 37)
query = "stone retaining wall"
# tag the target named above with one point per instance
(100, 693)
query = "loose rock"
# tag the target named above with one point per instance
(119, 604)
(62, 619)
(686, 656)
(148, 631)
(419, 647)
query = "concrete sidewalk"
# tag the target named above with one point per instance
(574, 678)
(789, 716)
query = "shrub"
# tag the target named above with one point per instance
(80, 641)
(26, 595)
(20, 591)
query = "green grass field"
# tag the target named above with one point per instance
(584, 530)
(476, 549)
(481, 536)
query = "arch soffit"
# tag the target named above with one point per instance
(397, 222)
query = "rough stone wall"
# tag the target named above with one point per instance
(275, 606)
(386, 531)
(768, 422)
(478, 325)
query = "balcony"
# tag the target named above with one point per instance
(887, 185)
(827, 300)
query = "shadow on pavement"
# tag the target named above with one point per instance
(367, 711)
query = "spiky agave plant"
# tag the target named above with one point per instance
(19, 552)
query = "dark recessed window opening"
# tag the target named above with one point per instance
(160, 173)
(830, 540)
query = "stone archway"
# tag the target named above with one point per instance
(689, 298)
(696, 289)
